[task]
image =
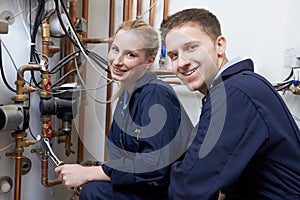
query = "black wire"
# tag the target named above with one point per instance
(98, 57)
(71, 24)
(283, 86)
(34, 80)
(30, 17)
(63, 61)
(58, 36)
(38, 19)
(31, 133)
(290, 75)
(2, 71)
(62, 23)
(94, 58)
(64, 77)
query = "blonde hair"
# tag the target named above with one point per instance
(146, 33)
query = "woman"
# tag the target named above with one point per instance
(148, 130)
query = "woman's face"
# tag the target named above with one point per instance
(127, 57)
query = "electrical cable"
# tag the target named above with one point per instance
(23, 21)
(64, 61)
(77, 43)
(64, 77)
(31, 133)
(7, 146)
(13, 62)
(62, 23)
(60, 91)
(2, 71)
(71, 24)
(140, 16)
(38, 19)
(88, 58)
(36, 84)
(96, 56)
(82, 82)
(58, 36)
(290, 75)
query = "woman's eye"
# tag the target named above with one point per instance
(114, 49)
(130, 55)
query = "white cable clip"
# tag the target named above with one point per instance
(29, 43)
(42, 63)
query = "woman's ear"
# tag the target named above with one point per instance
(151, 60)
(221, 45)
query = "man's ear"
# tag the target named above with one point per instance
(221, 45)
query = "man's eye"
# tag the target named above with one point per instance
(173, 56)
(192, 47)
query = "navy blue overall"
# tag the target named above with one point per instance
(247, 143)
(150, 130)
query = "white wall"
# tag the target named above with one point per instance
(261, 30)
(17, 43)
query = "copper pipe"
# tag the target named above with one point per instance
(85, 14)
(130, 9)
(46, 81)
(44, 177)
(111, 18)
(45, 41)
(69, 48)
(163, 72)
(171, 81)
(166, 9)
(80, 147)
(53, 49)
(18, 176)
(96, 40)
(139, 8)
(20, 83)
(125, 10)
(20, 143)
(69, 45)
(109, 86)
(151, 13)
(24, 68)
(68, 145)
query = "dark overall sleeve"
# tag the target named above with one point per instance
(157, 116)
(230, 132)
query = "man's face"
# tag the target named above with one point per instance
(194, 56)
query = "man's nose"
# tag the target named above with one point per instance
(183, 61)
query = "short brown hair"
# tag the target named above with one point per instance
(205, 19)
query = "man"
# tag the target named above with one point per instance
(247, 143)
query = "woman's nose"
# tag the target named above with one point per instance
(118, 60)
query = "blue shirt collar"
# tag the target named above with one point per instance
(226, 66)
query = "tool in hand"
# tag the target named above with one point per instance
(51, 154)
(57, 162)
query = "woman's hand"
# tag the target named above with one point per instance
(71, 175)
(74, 175)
